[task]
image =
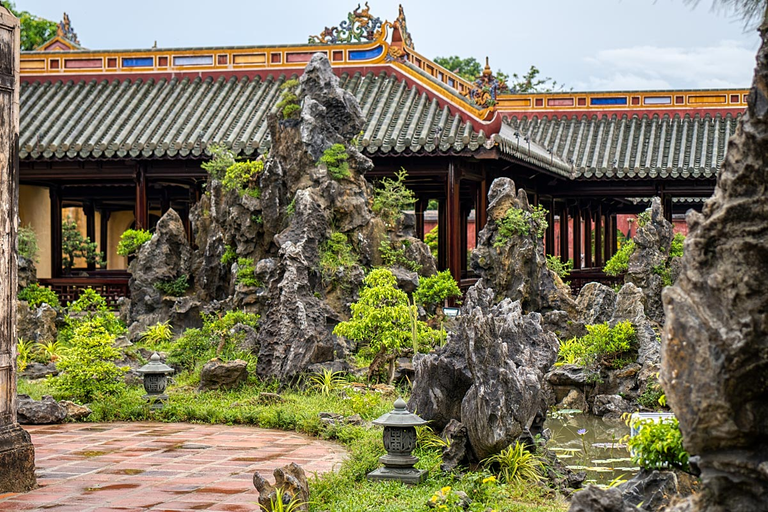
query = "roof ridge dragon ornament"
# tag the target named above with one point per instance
(64, 30)
(360, 26)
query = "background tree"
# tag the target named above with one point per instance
(34, 30)
(531, 81)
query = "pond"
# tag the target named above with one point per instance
(588, 443)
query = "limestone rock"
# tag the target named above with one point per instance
(652, 243)
(508, 354)
(596, 303)
(75, 411)
(567, 375)
(653, 490)
(715, 341)
(43, 412)
(594, 499)
(610, 406)
(518, 268)
(223, 375)
(39, 371)
(442, 379)
(27, 272)
(37, 324)
(166, 257)
(458, 452)
(291, 480)
(407, 280)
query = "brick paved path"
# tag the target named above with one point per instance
(89, 467)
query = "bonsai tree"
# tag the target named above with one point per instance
(74, 245)
(384, 319)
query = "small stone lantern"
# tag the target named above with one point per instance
(399, 441)
(155, 374)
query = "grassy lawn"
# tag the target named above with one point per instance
(347, 490)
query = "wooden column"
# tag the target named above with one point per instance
(141, 212)
(549, 235)
(667, 204)
(55, 195)
(419, 212)
(104, 238)
(614, 235)
(90, 228)
(165, 202)
(607, 238)
(453, 220)
(599, 249)
(588, 238)
(17, 454)
(442, 238)
(481, 206)
(577, 237)
(464, 238)
(564, 249)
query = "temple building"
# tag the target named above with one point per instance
(114, 138)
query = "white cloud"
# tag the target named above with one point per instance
(725, 64)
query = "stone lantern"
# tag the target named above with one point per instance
(155, 376)
(399, 441)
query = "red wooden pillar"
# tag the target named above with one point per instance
(453, 214)
(141, 212)
(549, 235)
(599, 249)
(577, 237)
(564, 249)
(588, 238)
(90, 228)
(442, 238)
(614, 235)
(104, 242)
(481, 206)
(419, 212)
(55, 195)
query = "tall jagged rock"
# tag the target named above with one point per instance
(517, 269)
(166, 257)
(488, 375)
(715, 343)
(652, 244)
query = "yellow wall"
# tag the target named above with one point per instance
(118, 223)
(35, 212)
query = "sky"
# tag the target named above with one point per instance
(600, 45)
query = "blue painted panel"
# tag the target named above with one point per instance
(366, 54)
(136, 62)
(193, 60)
(608, 101)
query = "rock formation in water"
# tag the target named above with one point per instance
(715, 342)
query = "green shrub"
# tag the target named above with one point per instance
(657, 445)
(335, 253)
(555, 264)
(229, 255)
(288, 107)
(335, 160)
(216, 338)
(619, 262)
(614, 347)
(517, 222)
(515, 465)
(395, 257)
(131, 240)
(89, 301)
(391, 197)
(676, 247)
(27, 243)
(175, 287)
(434, 290)
(158, 334)
(221, 160)
(90, 307)
(652, 396)
(244, 177)
(382, 318)
(35, 295)
(87, 367)
(246, 272)
(431, 239)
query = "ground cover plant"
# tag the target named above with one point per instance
(35, 295)
(613, 347)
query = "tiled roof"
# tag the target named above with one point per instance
(629, 146)
(166, 118)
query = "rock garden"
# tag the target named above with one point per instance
(307, 304)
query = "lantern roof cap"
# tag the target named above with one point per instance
(400, 417)
(155, 366)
